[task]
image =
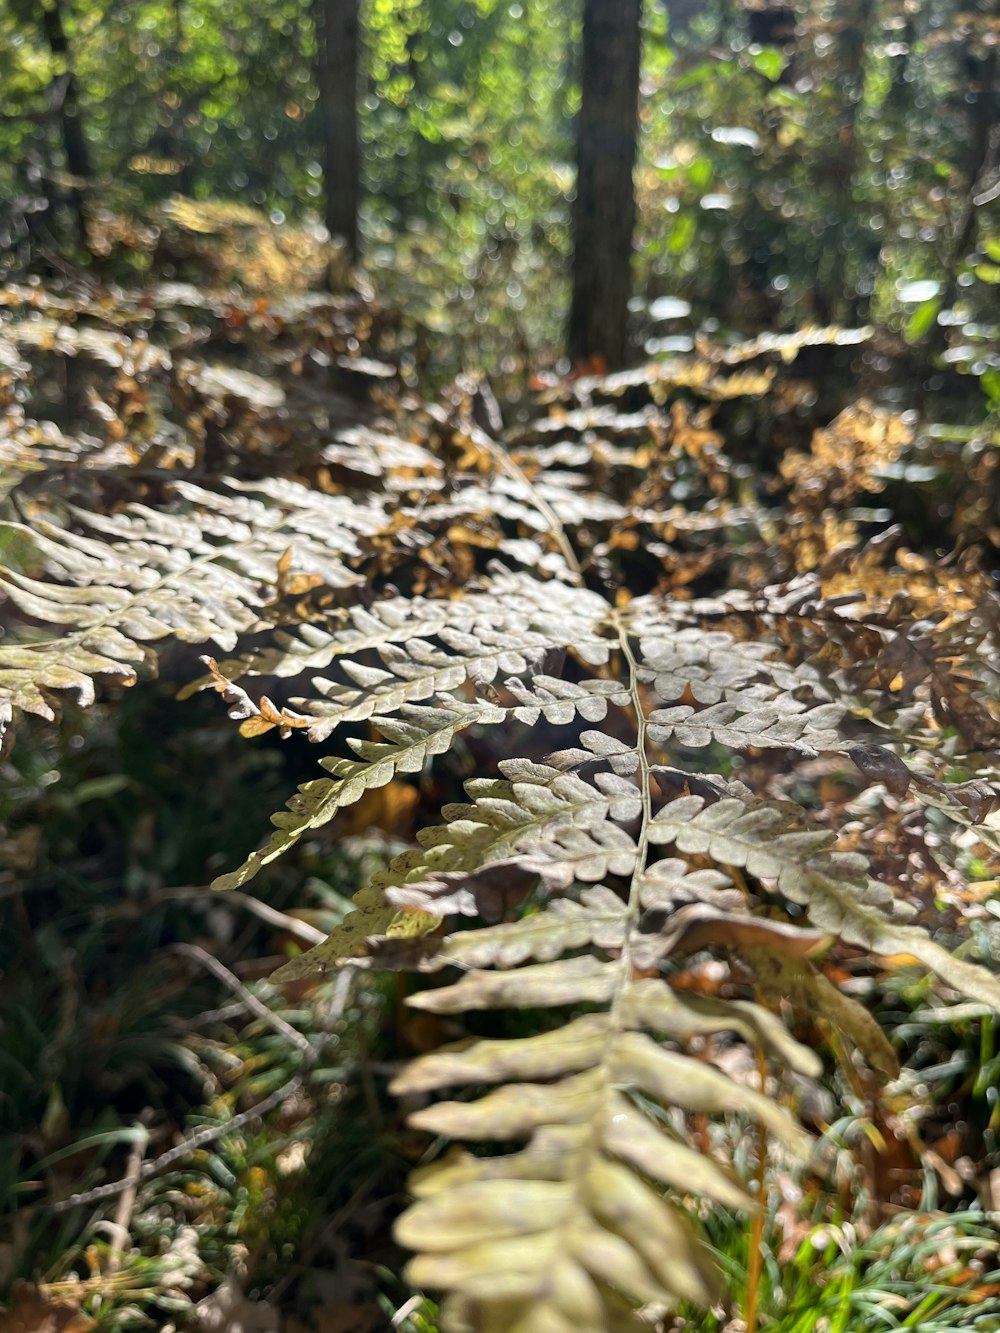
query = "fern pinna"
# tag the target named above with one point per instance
(423, 589)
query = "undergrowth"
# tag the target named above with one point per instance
(694, 754)
(937, 1273)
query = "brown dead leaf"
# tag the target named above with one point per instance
(879, 764)
(31, 1313)
(290, 584)
(347, 1317)
(390, 808)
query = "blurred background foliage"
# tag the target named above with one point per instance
(811, 163)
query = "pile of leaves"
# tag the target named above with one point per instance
(695, 742)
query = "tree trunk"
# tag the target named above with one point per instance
(837, 294)
(337, 74)
(982, 157)
(67, 93)
(604, 209)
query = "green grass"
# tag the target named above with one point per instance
(932, 1272)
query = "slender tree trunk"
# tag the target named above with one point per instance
(982, 157)
(179, 150)
(835, 297)
(337, 74)
(604, 209)
(70, 119)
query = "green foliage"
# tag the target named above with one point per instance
(909, 1273)
(831, 173)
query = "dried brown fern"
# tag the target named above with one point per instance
(418, 585)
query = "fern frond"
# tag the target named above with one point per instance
(584, 835)
(311, 647)
(511, 620)
(762, 839)
(570, 1229)
(411, 737)
(598, 918)
(783, 979)
(419, 670)
(593, 1070)
(105, 346)
(588, 1137)
(781, 723)
(374, 453)
(28, 447)
(559, 701)
(834, 886)
(451, 870)
(201, 570)
(709, 662)
(581, 855)
(565, 492)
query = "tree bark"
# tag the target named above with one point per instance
(70, 119)
(337, 75)
(604, 208)
(982, 156)
(836, 300)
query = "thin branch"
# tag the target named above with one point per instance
(755, 1254)
(257, 1007)
(212, 1133)
(646, 795)
(300, 929)
(507, 464)
(201, 1139)
(123, 1213)
(403, 1313)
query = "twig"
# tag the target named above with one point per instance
(404, 1311)
(507, 464)
(301, 929)
(255, 1006)
(201, 1139)
(211, 1133)
(755, 1242)
(123, 1214)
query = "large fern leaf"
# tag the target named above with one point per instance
(638, 824)
(567, 1231)
(201, 570)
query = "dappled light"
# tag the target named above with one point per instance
(499, 666)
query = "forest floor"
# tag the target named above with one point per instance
(184, 1144)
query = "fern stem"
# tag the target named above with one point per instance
(755, 1255)
(592, 1147)
(645, 794)
(553, 520)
